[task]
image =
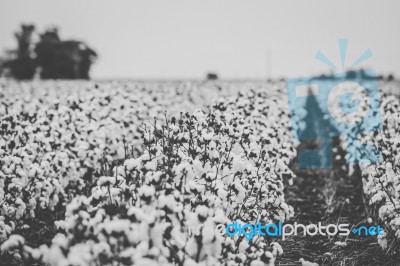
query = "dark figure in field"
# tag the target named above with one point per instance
(212, 76)
(63, 59)
(22, 65)
(52, 57)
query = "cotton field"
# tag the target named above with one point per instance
(116, 173)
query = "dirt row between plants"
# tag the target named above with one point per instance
(332, 196)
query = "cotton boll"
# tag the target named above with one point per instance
(307, 263)
(80, 255)
(106, 181)
(208, 136)
(377, 197)
(243, 246)
(102, 248)
(60, 225)
(151, 165)
(237, 164)
(223, 194)
(191, 247)
(277, 249)
(21, 207)
(190, 262)
(202, 211)
(131, 164)
(257, 263)
(168, 202)
(13, 242)
(383, 241)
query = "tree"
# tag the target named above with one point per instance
(53, 57)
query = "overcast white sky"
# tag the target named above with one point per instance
(237, 39)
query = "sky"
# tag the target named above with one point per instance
(185, 39)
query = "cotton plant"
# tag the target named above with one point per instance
(54, 137)
(196, 169)
(84, 151)
(381, 180)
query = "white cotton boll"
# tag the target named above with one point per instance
(80, 255)
(21, 207)
(7, 160)
(83, 145)
(307, 263)
(376, 198)
(155, 175)
(146, 262)
(382, 241)
(167, 201)
(1, 194)
(10, 211)
(8, 229)
(97, 193)
(55, 257)
(190, 262)
(257, 263)
(242, 257)
(207, 167)
(178, 237)
(212, 144)
(101, 248)
(34, 170)
(13, 242)
(156, 235)
(151, 165)
(208, 136)
(281, 165)
(131, 164)
(243, 245)
(60, 240)
(3, 235)
(277, 249)
(215, 154)
(63, 155)
(174, 128)
(198, 167)
(117, 226)
(285, 208)
(191, 186)
(143, 247)
(191, 247)
(109, 158)
(241, 192)
(222, 194)
(35, 254)
(16, 160)
(237, 164)
(202, 211)
(147, 191)
(60, 225)
(127, 253)
(237, 149)
(106, 181)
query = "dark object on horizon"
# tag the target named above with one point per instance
(51, 57)
(349, 75)
(63, 59)
(212, 76)
(21, 63)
